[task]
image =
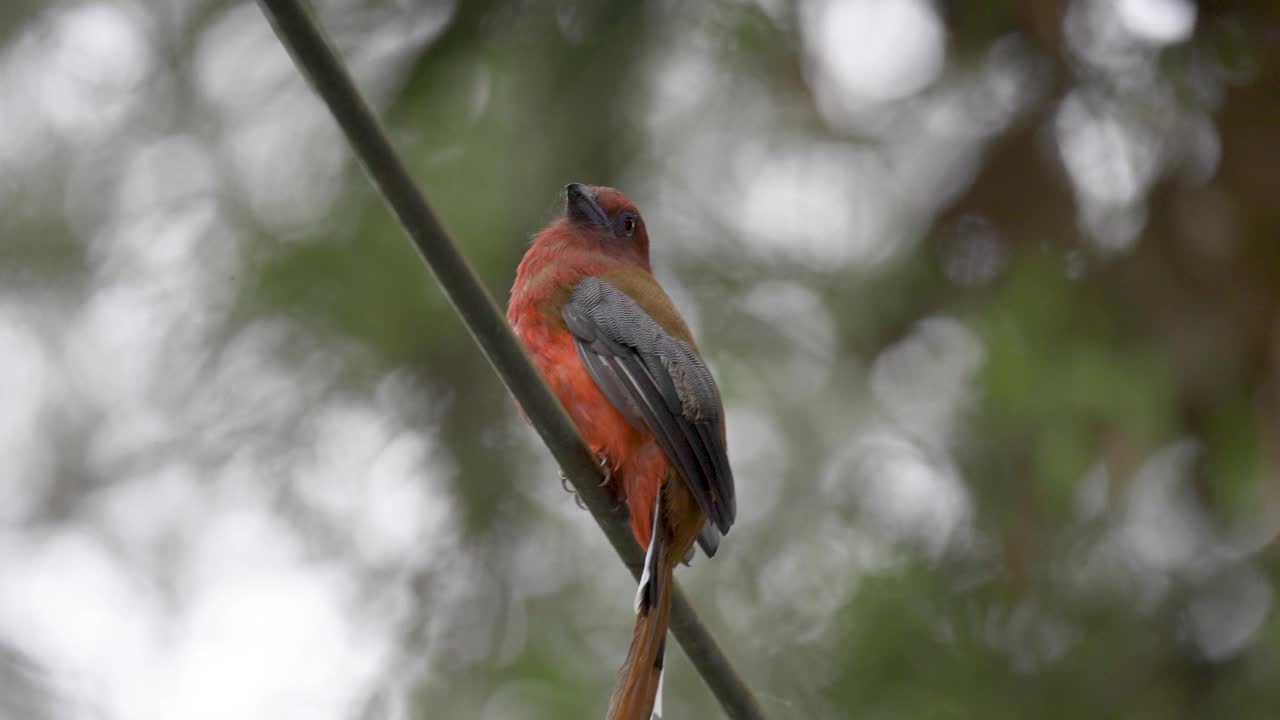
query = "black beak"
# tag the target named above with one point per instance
(580, 204)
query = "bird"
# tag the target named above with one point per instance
(617, 353)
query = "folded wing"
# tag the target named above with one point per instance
(658, 382)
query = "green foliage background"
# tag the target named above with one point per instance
(1003, 459)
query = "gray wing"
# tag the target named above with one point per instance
(660, 384)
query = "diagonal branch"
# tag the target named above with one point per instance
(321, 65)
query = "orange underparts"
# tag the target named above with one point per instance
(637, 463)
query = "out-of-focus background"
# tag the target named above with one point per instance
(992, 291)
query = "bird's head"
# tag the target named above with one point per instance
(603, 219)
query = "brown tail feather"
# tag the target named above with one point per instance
(638, 679)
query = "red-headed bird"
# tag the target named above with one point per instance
(620, 358)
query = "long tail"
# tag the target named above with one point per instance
(641, 675)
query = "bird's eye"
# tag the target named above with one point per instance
(628, 224)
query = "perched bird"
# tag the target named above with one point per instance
(616, 352)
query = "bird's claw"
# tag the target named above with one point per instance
(605, 470)
(577, 499)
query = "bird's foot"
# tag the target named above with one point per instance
(607, 477)
(605, 470)
(577, 499)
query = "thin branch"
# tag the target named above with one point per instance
(321, 65)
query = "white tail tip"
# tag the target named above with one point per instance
(657, 698)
